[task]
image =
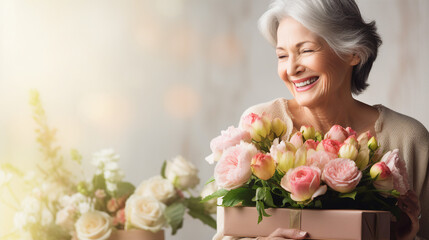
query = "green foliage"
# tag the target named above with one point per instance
(164, 165)
(174, 215)
(197, 211)
(125, 189)
(219, 193)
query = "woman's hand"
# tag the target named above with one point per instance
(283, 234)
(408, 224)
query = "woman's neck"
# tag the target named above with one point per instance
(348, 113)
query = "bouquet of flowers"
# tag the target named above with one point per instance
(58, 206)
(257, 165)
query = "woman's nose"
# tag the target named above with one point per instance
(294, 67)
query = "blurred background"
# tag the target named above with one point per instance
(156, 79)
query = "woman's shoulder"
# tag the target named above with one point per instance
(395, 123)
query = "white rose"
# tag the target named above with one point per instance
(31, 205)
(84, 207)
(65, 218)
(145, 213)
(94, 225)
(20, 220)
(183, 174)
(158, 187)
(209, 189)
(47, 217)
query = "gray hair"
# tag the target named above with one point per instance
(339, 22)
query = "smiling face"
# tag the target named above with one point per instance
(311, 70)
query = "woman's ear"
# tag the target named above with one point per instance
(354, 60)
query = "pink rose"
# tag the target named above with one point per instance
(320, 159)
(263, 166)
(228, 138)
(259, 127)
(399, 170)
(383, 177)
(311, 144)
(342, 175)
(351, 132)
(337, 133)
(233, 168)
(329, 145)
(120, 217)
(297, 140)
(303, 183)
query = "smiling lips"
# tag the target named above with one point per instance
(304, 84)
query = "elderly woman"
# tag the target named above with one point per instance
(325, 52)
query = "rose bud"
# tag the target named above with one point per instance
(348, 151)
(112, 205)
(258, 126)
(337, 133)
(380, 171)
(263, 166)
(311, 144)
(363, 139)
(300, 156)
(362, 158)
(284, 154)
(308, 132)
(279, 127)
(318, 136)
(329, 145)
(296, 140)
(350, 131)
(372, 144)
(352, 140)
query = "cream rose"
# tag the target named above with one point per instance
(145, 212)
(158, 187)
(182, 173)
(93, 225)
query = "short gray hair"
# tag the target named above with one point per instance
(339, 22)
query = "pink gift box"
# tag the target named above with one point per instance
(320, 224)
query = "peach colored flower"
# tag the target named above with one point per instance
(228, 138)
(297, 140)
(311, 144)
(337, 133)
(259, 127)
(342, 175)
(319, 158)
(283, 154)
(329, 145)
(303, 183)
(308, 132)
(399, 170)
(233, 168)
(263, 166)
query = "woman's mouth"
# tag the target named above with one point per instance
(305, 85)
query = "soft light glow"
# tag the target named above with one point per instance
(181, 101)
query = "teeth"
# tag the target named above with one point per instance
(305, 83)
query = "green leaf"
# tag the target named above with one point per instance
(174, 215)
(203, 217)
(212, 179)
(75, 156)
(164, 165)
(125, 189)
(219, 193)
(260, 207)
(236, 196)
(99, 182)
(351, 195)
